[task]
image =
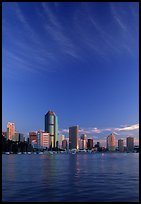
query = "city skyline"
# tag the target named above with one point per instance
(81, 132)
(69, 58)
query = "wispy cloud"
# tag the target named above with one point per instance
(131, 127)
(103, 43)
(56, 30)
(29, 28)
(65, 131)
(117, 17)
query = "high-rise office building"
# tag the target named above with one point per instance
(10, 130)
(130, 144)
(39, 138)
(111, 142)
(32, 137)
(16, 137)
(64, 144)
(80, 143)
(21, 137)
(90, 143)
(121, 145)
(60, 139)
(51, 126)
(84, 141)
(73, 137)
(45, 140)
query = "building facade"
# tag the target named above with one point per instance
(32, 136)
(21, 137)
(51, 126)
(39, 138)
(10, 130)
(90, 143)
(121, 145)
(60, 139)
(111, 142)
(73, 137)
(45, 140)
(16, 137)
(64, 144)
(84, 141)
(130, 144)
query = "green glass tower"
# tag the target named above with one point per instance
(51, 126)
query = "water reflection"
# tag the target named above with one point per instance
(66, 177)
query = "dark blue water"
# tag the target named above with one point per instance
(106, 177)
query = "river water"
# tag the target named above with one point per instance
(103, 177)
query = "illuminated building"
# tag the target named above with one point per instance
(111, 142)
(10, 130)
(84, 141)
(45, 140)
(51, 126)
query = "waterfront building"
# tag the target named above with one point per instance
(32, 136)
(97, 146)
(51, 126)
(80, 143)
(45, 140)
(130, 144)
(21, 137)
(60, 139)
(64, 144)
(10, 130)
(39, 138)
(15, 137)
(121, 145)
(73, 137)
(90, 143)
(111, 142)
(84, 141)
(34, 143)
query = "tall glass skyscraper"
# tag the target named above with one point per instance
(73, 137)
(51, 126)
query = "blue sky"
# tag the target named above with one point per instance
(80, 60)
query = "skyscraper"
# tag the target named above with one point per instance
(130, 144)
(39, 138)
(51, 126)
(121, 145)
(10, 130)
(64, 144)
(84, 141)
(90, 143)
(32, 137)
(46, 140)
(16, 137)
(111, 142)
(73, 137)
(60, 139)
